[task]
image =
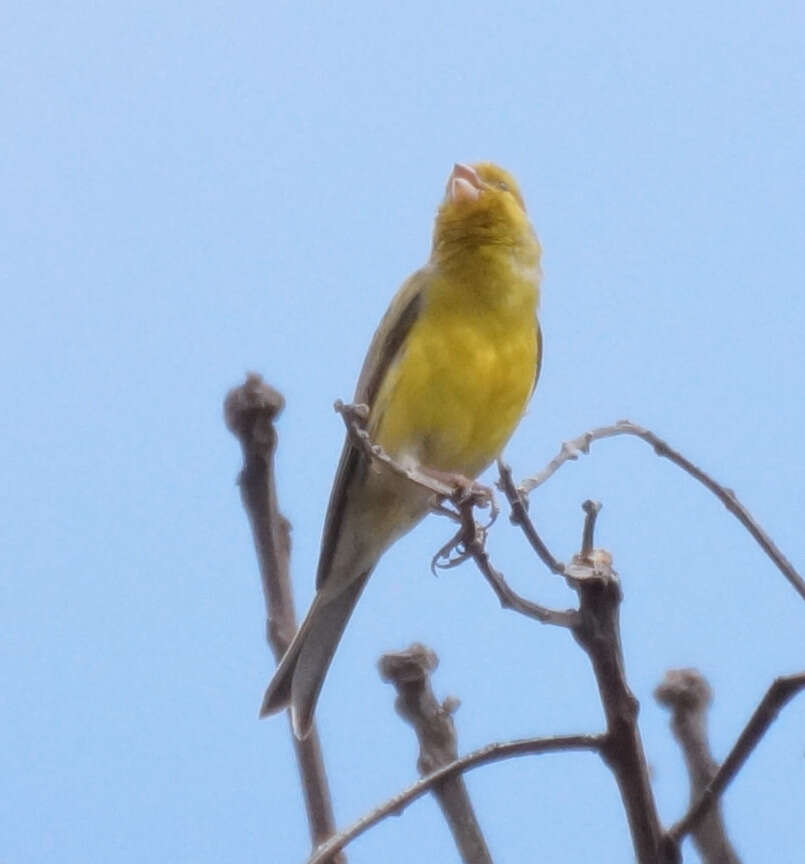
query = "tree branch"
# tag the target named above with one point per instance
(595, 626)
(570, 451)
(250, 411)
(472, 539)
(598, 632)
(409, 672)
(687, 693)
(781, 691)
(519, 516)
(491, 753)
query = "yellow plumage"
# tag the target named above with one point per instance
(447, 378)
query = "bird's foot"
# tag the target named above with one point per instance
(465, 492)
(453, 553)
(466, 496)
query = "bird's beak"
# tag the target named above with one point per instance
(463, 184)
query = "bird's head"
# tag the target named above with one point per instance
(482, 206)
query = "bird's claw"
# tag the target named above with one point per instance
(458, 548)
(453, 553)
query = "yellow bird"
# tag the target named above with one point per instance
(447, 378)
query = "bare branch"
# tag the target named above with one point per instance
(570, 450)
(519, 516)
(473, 542)
(687, 693)
(781, 691)
(491, 753)
(598, 632)
(250, 411)
(591, 510)
(409, 672)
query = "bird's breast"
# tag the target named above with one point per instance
(459, 387)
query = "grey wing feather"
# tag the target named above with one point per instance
(384, 349)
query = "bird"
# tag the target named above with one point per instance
(447, 378)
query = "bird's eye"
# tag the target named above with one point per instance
(502, 185)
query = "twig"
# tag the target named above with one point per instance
(409, 672)
(519, 516)
(595, 627)
(570, 450)
(597, 631)
(250, 411)
(687, 693)
(591, 510)
(473, 542)
(445, 486)
(354, 417)
(490, 753)
(781, 691)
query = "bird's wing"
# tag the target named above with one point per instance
(383, 352)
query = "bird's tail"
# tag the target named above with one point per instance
(300, 674)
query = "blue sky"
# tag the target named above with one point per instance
(193, 190)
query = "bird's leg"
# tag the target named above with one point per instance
(465, 491)
(467, 495)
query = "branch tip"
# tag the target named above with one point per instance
(251, 409)
(781, 691)
(591, 510)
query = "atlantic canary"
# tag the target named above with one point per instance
(447, 378)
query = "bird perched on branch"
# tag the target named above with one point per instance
(447, 378)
